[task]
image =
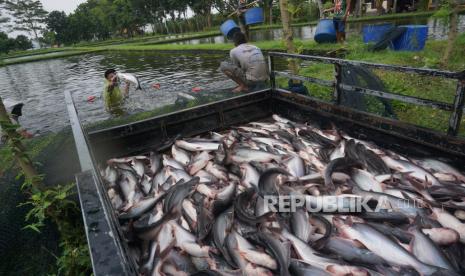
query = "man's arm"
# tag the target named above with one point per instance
(126, 89)
(111, 85)
(234, 58)
(329, 10)
(349, 3)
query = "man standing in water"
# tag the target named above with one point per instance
(341, 11)
(112, 94)
(247, 67)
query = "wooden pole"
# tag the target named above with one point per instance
(453, 23)
(19, 151)
(288, 35)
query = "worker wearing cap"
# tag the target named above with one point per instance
(341, 11)
(14, 110)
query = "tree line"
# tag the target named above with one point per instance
(104, 19)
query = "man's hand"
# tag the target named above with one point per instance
(26, 134)
(113, 82)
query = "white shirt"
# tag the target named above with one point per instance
(251, 60)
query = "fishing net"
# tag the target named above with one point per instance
(23, 251)
(362, 77)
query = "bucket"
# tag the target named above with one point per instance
(325, 31)
(228, 28)
(413, 39)
(374, 33)
(254, 16)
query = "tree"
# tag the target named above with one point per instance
(28, 15)
(449, 13)
(288, 35)
(22, 42)
(6, 43)
(57, 22)
(203, 8)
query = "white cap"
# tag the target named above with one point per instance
(10, 104)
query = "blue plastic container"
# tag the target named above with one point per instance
(413, 39)
(228, 28)
(325, 31)
(374, 33)
(254, 16)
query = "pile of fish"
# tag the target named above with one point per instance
(198, 206)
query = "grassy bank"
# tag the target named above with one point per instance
(432, 88)
(49, 55)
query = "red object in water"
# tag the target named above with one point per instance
(91, 99)
(156, 85)
(196, 89)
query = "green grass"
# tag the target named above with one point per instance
(31, 52)
(432, 88)
(46, 56)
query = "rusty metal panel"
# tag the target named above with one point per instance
(420, 71)
(459, 103)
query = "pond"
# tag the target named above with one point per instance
(41, 85)
(437, 30)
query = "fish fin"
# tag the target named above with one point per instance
(227, 153)
(417, 222)
(349, 221)
(320, 243)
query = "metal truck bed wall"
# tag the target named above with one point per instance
(148, 134)
(109, 252)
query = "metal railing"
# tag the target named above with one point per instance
(337, 84)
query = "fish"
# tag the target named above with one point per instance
(243, 155)
(197, 146)
(438, 166)
(128, 185)
(301, 268)
(366, 181)
(129, 78)
(335, 165)
(384, 247)
(250, 176)
(234, 244)
(220, 229)
(427, 251)
(295, 166)
(281, 251)
(180, 156)
(348, 251)
(111, 176)
(240, 208)
(412, 169)
(313, 258)
(200, 205)
(442, 236)
(450, 221)
(300, 224)
(199, 162)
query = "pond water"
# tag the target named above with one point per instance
(436, 30)
(41, 85)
